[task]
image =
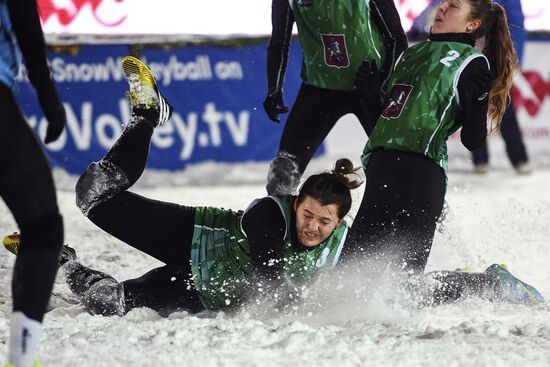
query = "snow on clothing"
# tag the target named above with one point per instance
(335, 37)
(422, 101)
(220, 255)
(438, 86)
(207, 250)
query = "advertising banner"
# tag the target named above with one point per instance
(213, 17)
(216, 92)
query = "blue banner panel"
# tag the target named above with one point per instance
(217, 94)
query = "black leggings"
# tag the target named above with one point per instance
(160, 229)
(28, 190)
(314, 113)
(511, 133)
(395, 223)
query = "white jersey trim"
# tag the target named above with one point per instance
(340, 247)
(454, 95)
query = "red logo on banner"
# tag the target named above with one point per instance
(68, 10)
(530, 95)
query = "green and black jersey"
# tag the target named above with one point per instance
(422, 101)
(220, 254)
(336, 37)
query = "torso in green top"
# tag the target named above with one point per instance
(422, 100)
(335, 37)
(220, 255)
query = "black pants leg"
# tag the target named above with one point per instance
(395, 223)
(511, 134)
(29, 192)
(443, 287)
(160, 229)
(165, 289)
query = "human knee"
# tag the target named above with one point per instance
(99, 183)
(42, 233)
(284, 175)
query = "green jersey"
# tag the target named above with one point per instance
(422, 100)
(335, 37)
(220, 254)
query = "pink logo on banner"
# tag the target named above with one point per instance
(336, 52)
(534, 99)
(68, 10)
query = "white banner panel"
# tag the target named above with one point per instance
(201, 17)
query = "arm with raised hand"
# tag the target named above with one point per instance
(282, 20)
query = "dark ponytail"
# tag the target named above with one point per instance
(332, 187)
(499, 50)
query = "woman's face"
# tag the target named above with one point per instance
(315, 222)
(453, 16)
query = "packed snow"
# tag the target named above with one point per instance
(499, 217)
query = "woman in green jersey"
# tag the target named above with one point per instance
(437, 87)
(335, 36)
(212, 255)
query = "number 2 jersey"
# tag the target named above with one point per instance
(220, 254)
(422, 101)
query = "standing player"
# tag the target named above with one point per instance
(335, 37)
(509, 129)
(437, 87)
(29, 190)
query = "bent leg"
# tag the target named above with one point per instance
(449, 286)
(161, 229)
(119, 169)
(99, 292)
(166, 289)
(395, 223)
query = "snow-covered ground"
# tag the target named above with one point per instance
(497, 218)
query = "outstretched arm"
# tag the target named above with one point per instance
(282, 20)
